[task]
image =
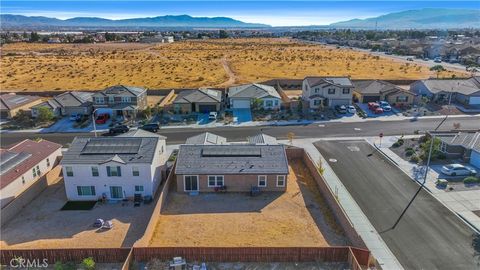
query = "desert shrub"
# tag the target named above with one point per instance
(396, 144)
(408, 148)
(58, 265)
(414, 158)
(409, 152)
(88, 263)
(471, 180)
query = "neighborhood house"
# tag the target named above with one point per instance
(206, 138)
(244, 96)
(11, 104)
(23, 164)
(464, 145)
(320, 92)
(66, 104)
(114, 168)
(120, 100)
(200, 101)
(236, 168)
(376, 90)
(465, 91)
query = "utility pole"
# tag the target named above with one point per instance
(424, 176)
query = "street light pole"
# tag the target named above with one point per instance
(424, 176)
(93, 121)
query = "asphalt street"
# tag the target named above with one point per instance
(428, 237)
(327, 129)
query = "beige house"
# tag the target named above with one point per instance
(376, 90)
(320, 92)
(11, 104)
(234, 168)
(201, 101)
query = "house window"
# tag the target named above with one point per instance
(331, 91)
(346, 91)
(316, 102)
(280, 180)
(269, 103)
(443, 147)
(317, 90)
(99, 100)
(23, 180)
(275, 103)
(215, 181)
(135, 171)
(111, 99)
(114, 171)
(48, 162)
(38, 170)
(126, 99)
(95, 171)
(34, 173)
(402, 98)
(86, 190)
(69, 171)
(138, 188)
(262, 180)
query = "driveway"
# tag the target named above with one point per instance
(202, 119)
(429, 236)
(371, 114)
(242, 115)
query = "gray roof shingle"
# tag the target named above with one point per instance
(262, 138)
(469, 140)
(199, 96)
(206, 138)
(337, 81)
(12, 101)
(231, 159)
(253, 90)
(463, 86)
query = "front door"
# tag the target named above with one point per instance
(191, 183)
(116, 192)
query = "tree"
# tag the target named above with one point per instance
(45, 115)
(88, 263)
(34, 37)
(437, 69)
(223, 34)
(257, 104)
(290, 136)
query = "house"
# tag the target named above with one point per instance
(376, 90)
(238, 168)
(200, 101)
(23, 164)
(120, 100)
(262, 139)
(464, 145)
(465, 91)
(11, 104)
(318, 92)
(243, 96)
(114, 168)
(206, 138)
(67, 103)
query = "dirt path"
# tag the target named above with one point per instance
(232, 77)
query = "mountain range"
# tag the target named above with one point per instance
(411, 19)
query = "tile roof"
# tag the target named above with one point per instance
(206, 138)
(141, 133)
(122, 90)
(469, 140)
(198, 96)
(12, 101)
(463, 86)
(337, 81)
(253, 90)
(74, 98)
(22, 157)
(376, 87)
(51, 103)
(231, 159)
(99, 150)
(262, 138)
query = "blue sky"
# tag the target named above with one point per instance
(276, 13)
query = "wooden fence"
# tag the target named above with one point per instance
(101, 255)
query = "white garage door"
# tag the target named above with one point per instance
(475, 159)
(474, 100)
(241, 103)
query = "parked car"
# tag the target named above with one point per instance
(212, 115)
(341, 109)
(373, 106)
(385, 106)
(437, 60)
(457, 170)
(102, 118)
(152, 127)
(118, 129)
(378, 110)
(75, 117)
(410, 59)
(351, 109)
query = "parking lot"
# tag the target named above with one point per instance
(298, 217)
(429, 236)
(41, 224)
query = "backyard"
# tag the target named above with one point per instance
(42, 224)
(298, 217)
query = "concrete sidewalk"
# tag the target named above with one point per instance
(362, 225)
(463, 203)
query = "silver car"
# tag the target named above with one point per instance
(458, 170)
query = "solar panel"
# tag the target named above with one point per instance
(11, 159)
(232, 152)
(100, 146)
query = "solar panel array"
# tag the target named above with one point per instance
(232, 152)
(112, 146)
(10, 159)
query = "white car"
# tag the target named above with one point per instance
(458, 170)
(385, 106)
(212, 115)
(351, 109)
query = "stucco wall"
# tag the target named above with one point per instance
(234, 183)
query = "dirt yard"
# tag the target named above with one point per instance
(154, 100)
(42, 225)
(184, 64)
(298, 217)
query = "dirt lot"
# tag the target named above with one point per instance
(154, 100)
(298, 217)
(186, 64)
(42, 225)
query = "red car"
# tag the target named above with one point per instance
(102, 118)
(378, 110)
(373, 106)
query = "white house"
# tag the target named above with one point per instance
(327, 91)
(115, 167)
(24, 164)
(242, 96)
